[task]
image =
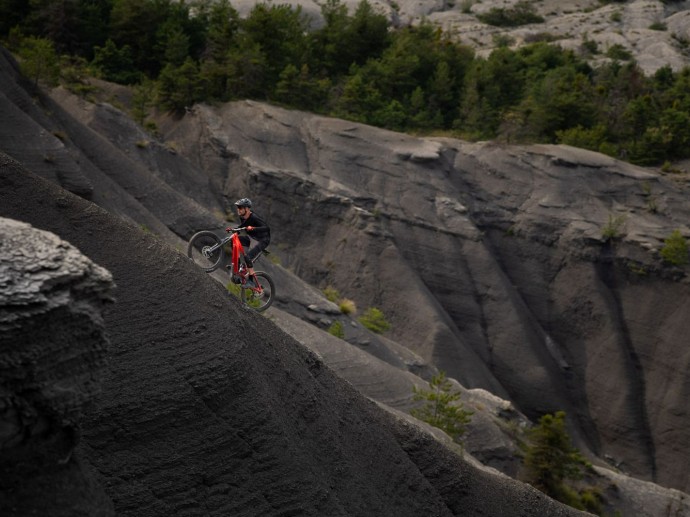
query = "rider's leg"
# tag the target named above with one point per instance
(252, 254)
(249, 260)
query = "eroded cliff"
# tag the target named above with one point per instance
(493, 262)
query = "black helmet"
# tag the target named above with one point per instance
(244, 202)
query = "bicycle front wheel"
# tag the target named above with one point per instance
(259, 299)
(206, 250)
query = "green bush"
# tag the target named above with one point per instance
(590, 47)
(442, 408)
(675, 249)
(503, 40)
(331, 294)
(614, 228)
(347, 306)
(619, 52)
(586, 138)
(233, 288)
(522, 13)
(336, 329)
(40, 62)
(591, 498)
(374, 320)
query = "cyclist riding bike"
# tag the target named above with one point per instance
(257, 229)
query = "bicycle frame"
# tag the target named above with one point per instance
(237, 252)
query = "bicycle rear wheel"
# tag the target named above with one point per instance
(205, 250)
(256, 299)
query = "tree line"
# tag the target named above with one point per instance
(355, 66)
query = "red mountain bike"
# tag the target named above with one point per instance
(207, 251)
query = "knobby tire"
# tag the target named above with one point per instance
(200, 242)
(263, 302)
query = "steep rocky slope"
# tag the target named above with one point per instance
(489, 260)
(207, 408)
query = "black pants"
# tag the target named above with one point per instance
(253, 251)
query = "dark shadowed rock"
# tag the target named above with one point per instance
(101, 167)
(53, 351)
(25, 124)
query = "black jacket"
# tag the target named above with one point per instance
(261, 231)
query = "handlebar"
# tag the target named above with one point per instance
(249, 228)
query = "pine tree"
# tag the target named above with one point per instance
(551, 459)
(442, 408)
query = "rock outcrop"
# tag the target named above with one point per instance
(53, 351)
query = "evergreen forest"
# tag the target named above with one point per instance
(355, 66)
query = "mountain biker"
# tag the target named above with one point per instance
(257, 229)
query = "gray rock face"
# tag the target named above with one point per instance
(644, 498)
(53, 350)
(51, 329)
